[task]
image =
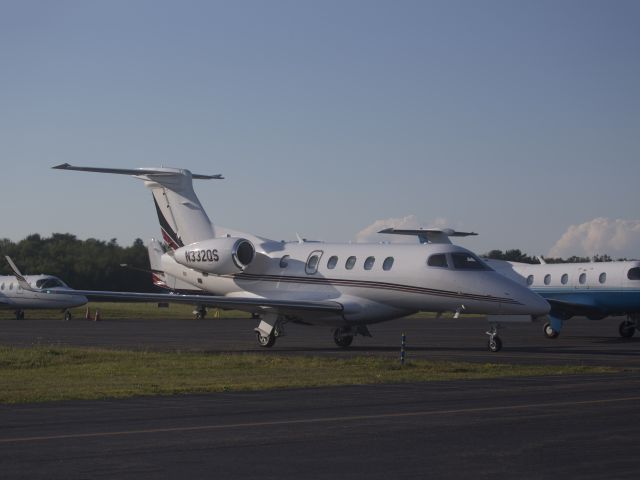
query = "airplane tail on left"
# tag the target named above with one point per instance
(181, 215)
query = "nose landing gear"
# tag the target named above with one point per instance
(494, 344)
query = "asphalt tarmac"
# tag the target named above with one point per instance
(550, 427)
(554, 427)
(582, 341)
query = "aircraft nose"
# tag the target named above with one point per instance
(80, 300)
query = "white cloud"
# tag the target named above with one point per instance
(370, 233)
(618, 238)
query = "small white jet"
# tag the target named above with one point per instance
(345, 286)
(595, 290)
(15, 297)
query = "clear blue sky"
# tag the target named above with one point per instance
(513, 119)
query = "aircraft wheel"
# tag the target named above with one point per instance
(627, 329)
(19, 314)
(67, 315)
(266, 341)
(495, 344)
(342, 340)
(549, 332)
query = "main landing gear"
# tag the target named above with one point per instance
(343, 337)
(19, 314)
(271, 327)
(494, 344)
(67, 315)
(266, 335)
(549, 332)
(629, 326)
(200, 312)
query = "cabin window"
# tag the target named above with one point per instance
(530, 280)
(602, 278)
(11, 286)
(284, 261)
(388, 263)
(333, 261)
(437, 260)
(634, 274)
(312, 263)
(547, 279)
(582, 278)
(351, 261)
(368, 263)
(564, 279)
(199, 280)
(466, 261)
(2, 287)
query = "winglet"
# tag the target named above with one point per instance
(21, 280)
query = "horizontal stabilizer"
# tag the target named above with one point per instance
(182, 218)
(429, 235)
(136, 171)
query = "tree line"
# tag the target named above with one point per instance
(516, 255)
(84, 264)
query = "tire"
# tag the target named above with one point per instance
(341, 340)
(265, 341)
(549, 332)
(495, 344)
(627, 329)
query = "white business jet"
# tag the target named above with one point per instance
(595, 290)
(15, 297)
(345, 286)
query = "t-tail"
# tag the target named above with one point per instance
(182, 218)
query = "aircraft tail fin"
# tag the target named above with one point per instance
(16, 273)
(155, 250)
(180, 213)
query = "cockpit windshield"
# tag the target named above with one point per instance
(50, 282)
(467, 261)
(634, 273)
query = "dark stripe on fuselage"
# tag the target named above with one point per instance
(375, 285)
(168, 234)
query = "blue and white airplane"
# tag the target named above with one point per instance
(594, 290)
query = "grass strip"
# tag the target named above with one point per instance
(42, 374)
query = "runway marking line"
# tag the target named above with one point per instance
(348, 418)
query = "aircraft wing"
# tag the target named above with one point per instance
(248, 304)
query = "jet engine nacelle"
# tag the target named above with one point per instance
(220, 256)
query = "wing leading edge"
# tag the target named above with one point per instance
(249, 304)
